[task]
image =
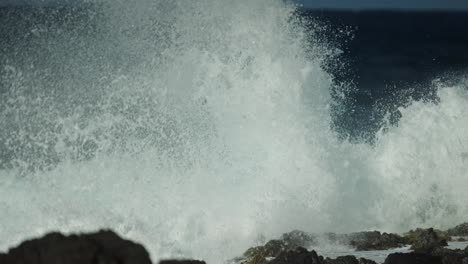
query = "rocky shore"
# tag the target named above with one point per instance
(427, 245)
(105, 247)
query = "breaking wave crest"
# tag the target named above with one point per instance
(197, 126)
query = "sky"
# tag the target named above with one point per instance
(347, 4)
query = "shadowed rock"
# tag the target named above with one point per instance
(342, 260)
(298, 238)
(303, 256)
(182, 262)
(348, 260)
(366, 261)
(375, 240)
(271, 249)
(427, 241)
(412, 258)
(297, 256)
(257, 259)
(459, 230)
(452, 256)
(368, 240)
(104, 247)
(413, 236)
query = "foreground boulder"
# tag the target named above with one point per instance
(103, 247)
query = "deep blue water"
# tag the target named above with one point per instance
(391, 58)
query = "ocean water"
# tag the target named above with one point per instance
(199, 127)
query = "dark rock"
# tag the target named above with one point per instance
(348, 260)
(297, 256)
(454, 259)
(104, 247)
(451, 256)
(271, 249)
(366, 261)
(427, 241)
(182, 262)
(414, 235)
(298, 238)
(257, 259)
(459, 230)
(375, 240)
(445, 251)
(412, 258)
(342, 260)
(362, 241)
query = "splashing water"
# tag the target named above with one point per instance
(195, 126)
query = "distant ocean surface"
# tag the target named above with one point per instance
(392, 57)
(197, 127)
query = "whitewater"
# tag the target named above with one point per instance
(198, 127)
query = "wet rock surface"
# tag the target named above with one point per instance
(450, 256)
(375, 240)
(361, 241)
(366, 261)
(437, 256)
(459, 230)
(414, 235)
(301, 255)
(412, 258)
(426, 241)
(271, 249)
(182, 262)
(342, 260)
(297, 256)
(298, 238)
